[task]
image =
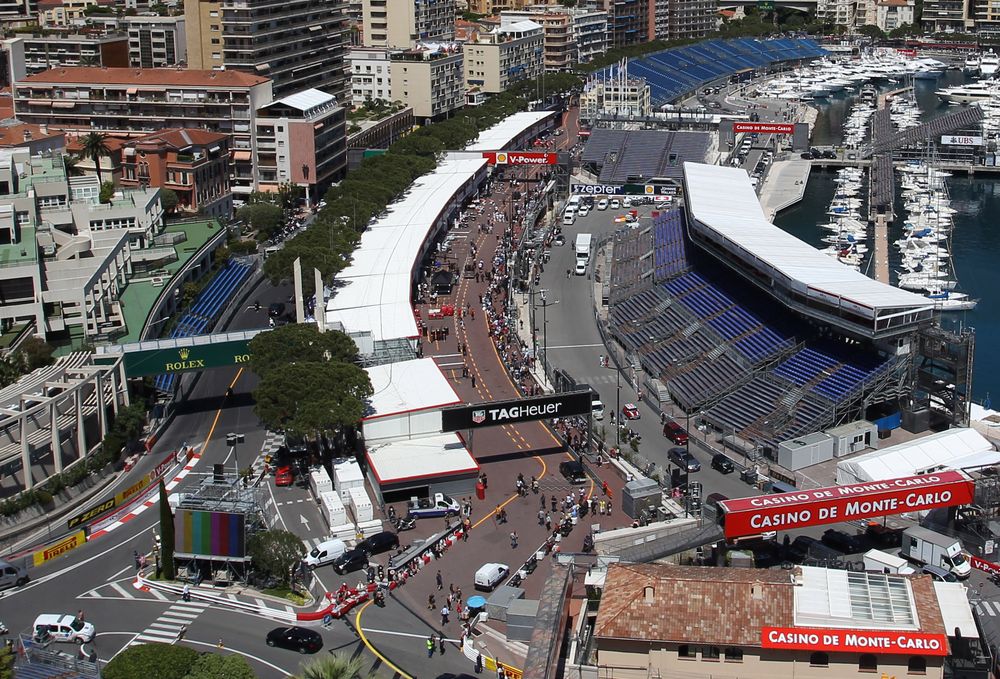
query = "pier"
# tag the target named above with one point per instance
(880, 260)
(784, 186)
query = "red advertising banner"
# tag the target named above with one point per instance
(853, 641)
(785, 511)
(984, 565)
(765, 128)
(520, 158)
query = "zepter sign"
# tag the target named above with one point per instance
(785, 511)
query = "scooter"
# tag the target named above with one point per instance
(3, 629)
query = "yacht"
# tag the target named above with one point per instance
(971, 66)
(989, 63)
(970, 93)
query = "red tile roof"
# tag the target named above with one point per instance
(155, 77)
(180, 137)
(114, 144)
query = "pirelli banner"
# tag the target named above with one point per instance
(57, 549)
(785, 511)
(496, 413)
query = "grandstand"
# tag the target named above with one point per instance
(676, 72)
(622, 156)
(206, 309)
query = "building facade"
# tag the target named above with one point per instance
(192, 163)
(430, 79)
(155, 41)
(371, 75)
(630, 22)
(42, 52)
(398, 24)
(298, 44)
(496, 60)
(301, 139)
(947, 16)
(65, 13)
(122, 101)
(628, 96)
(571, 36)
(686, 19)
(891, 14)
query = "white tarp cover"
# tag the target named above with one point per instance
(722, 199)
(423, 458)
(408, 386)
(951, 449)
(953, 600)
(499, 137)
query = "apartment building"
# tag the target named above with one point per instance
(155, 41)
(302, 139)
(371, 78)
(29, 53)
(947, 16)
(122, 101)
(686, 19)
(628, 96)
(430, 79)
(65, 13)
(298, 44)
(839, 12)
(400, 23)
(192, 163)
(630, 22)
(570, 36)
(986, 15)
(496, 60)
(891, 14)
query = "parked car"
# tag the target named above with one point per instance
(714, 499)
(295, 639)
(684, 459)
(378, 543)
(615, 204)
(350, 561)
(675, 432)
(723, 464)
(284, 476)
(843, 542)
(573, 471)
(630, 412)
(602, 204)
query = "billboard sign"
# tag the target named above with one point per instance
(890, 642)
(785, 511)
(520, 158)
(57, 549)
(596, 189)
(494, 413)
(183, 359)
(961, 140)
(764, 128)
(203, 533)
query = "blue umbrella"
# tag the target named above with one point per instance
(476, 602)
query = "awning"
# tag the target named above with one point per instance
(242, 155)
(132, 90)
(317, 27)
(263, 67)
(63, 104)
(39, 102)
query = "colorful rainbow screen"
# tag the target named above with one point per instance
(209, 533)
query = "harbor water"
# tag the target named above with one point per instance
(975, 241)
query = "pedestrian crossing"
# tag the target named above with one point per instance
(123, 589)
(167, 628)
(988, 608)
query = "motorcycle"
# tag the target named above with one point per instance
(406, 523)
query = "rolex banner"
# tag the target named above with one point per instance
(185, 358)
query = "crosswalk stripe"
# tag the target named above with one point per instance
(166, 626)
(121, 590)
(166, 617)
(987, 608)
(155, 635)
(159, 595)
(188, 608)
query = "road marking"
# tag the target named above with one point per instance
(121, 590)
(167, 628)
(577, 346)
(115, 576)
(364, 640)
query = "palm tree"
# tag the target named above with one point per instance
(334, 666)
(94, 145)
(72, 164)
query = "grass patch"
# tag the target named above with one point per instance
(285, 593)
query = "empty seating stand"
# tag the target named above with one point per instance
(206, 308)
(670, 256)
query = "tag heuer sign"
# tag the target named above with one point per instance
(518, 410)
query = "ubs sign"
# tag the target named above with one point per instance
(495, 413)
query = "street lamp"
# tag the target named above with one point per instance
(545, 331)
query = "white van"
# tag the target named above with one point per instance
(602, 204)
(490, 575)
(597, 410)
(325, 552)
(569, 218)
(62, 627)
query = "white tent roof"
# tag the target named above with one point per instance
(740, 221)
(951, 449)
(427, 457)
(498, 137)
(953, 600)
(408, 386)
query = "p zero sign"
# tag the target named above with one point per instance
(765, 128)
(519, 158)
(495, 413)
(785, 511)
(853, 641)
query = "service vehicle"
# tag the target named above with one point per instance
(630, 412)
(489, 576)
(923, 546)
(325, 552)
(439, 505)
(883, 562)
(62, 627)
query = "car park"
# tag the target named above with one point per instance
(325, 552)
(62, 627)
(350, 561)
(602, 204)
(284, 475)
(843, 542)
(378, 543)
(722, 464)
(295, 639)
(684, 459)
(675, 432)
(630, 412)
(573, 471)
(615, 204)
(489, 576)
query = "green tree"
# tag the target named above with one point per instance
(214, 666)
(335, 666)
(10, 370)
(93, 146)
(299, 343)
(310, 398)
(107, 192)
(37, 353)
(169, 199)
(275, 552)
(873, 32)
(6, 663)
(265, 218)
(151, 661)
(288, 195)
(72, 165)
(166, 535)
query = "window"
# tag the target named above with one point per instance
(710, 653)
(687, 651)
(734, 654)
(867, 663)
(916, 665)
(819, 659)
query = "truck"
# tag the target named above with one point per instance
(439, 505)
(882, 562)
(925, 547)
(582, 247)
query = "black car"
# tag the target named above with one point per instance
(804, 547)
(807, 156)
(723, 464)
(295, 639)
(378, 543)
(350, 561)
(573, 471)
(275, 310)
(843, 542)
(830, 155)
(683, 459)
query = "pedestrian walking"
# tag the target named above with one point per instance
(548, 522)
(473, 380)
(543, 501)
(431, 604)
(430, 646)
(554, 502)
(513, 539)
(186, 592)
(440, 581)
(541, 517)
(441, 643)
(182, 633)
(604, 488)
(444, 615)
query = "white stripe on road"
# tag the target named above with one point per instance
(576, 346)
(159, 595)
(162, 625)
(121, 590)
